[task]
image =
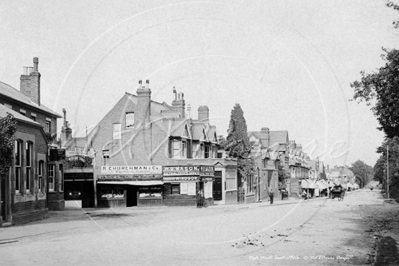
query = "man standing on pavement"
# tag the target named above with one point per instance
(271, 195)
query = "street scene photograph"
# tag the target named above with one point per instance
(186, 132)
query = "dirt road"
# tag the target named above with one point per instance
(315, 232)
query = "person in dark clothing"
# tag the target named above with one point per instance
(271, 195)
(199, 199)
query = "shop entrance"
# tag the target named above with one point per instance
(131, 196)
(217, 188)
(80, 191)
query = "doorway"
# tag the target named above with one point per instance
(217, 188)
(131, 196)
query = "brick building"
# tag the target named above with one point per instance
(30, 189)
(150, 153)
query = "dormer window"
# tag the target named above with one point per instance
(129, 118)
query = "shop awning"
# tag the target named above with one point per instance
(321, 184)
(307, 183)
(132, 183)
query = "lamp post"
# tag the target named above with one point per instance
(259, 199)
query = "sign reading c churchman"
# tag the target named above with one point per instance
(132, 170)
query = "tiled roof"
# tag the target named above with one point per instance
(15, 94)
(5, 110)
(280, 136)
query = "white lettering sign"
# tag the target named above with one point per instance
(132, 170)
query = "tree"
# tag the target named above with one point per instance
(395, 7)
(362, 170)
(383, 87)
(8, 127)
(237, 143)
(379, 171)
(393, 147)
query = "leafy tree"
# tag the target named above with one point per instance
(379, 171)
(8, 127)
(362, 170)
(237, 143)
(393, 147)
(383, 87)
(395, 7)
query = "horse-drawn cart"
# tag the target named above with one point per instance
(337, 192)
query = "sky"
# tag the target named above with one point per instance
(289, 64)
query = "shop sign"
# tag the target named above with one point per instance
(180, 178)
(206, 170)
(57, 154)
(72, 151)
(181, 170)
(132, 170)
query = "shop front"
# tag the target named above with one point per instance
(182, 183)
(127, 186)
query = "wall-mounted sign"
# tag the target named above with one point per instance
(57, 154)
(206, 170)
(180, 178)
(72, 151)
(132, 170)
(181, 170)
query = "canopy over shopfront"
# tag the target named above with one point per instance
(321, 184)
(307, 183)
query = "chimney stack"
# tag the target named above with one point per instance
(66, 131)
(265, 137)
(178, 104)
(203, 113)
(30, 82)
(143, 107)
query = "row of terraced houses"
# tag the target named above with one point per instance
(141, 153)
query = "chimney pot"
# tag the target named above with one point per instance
(35, 64)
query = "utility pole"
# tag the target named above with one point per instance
(387, 172)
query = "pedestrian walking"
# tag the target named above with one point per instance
(271, 195)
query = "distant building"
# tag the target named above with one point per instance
(269, 151)
(34, 183)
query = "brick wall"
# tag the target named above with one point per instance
(24, 212)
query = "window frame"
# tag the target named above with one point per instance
(51, 177)
(28, 165)
(18, 164)
(131, 120)
(116, 131)
(40, 175)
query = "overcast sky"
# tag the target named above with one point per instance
(287, 63)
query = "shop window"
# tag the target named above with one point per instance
(108, 193)
(116, 131)
(51, 177)
(175, 189)
(28, 165)
(40, 176)
(18, 164)
(129, 119)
